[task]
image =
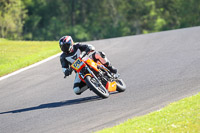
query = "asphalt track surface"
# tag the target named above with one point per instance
(158, 69)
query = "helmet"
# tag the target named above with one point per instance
(66, 44)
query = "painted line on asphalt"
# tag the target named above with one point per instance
(29, 67)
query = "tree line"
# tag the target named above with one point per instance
(93, 19)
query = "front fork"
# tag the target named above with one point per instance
(92, 75)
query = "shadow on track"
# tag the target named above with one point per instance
(56, 104)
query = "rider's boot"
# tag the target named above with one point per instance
(111, 68)
(102, 58)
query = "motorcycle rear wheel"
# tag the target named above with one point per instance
(97, 88)
(121, 86)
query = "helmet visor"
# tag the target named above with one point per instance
(66, 47)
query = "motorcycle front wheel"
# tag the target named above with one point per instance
(96, 87)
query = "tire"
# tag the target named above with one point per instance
(121, 86)
(101, 91)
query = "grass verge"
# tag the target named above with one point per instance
(18, 54)
(178, 117)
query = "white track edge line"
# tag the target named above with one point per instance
(28, 67)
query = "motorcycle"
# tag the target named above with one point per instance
(97, 77)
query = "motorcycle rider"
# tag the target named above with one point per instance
(71, 51)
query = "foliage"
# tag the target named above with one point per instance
(12, 14)
(93, 19)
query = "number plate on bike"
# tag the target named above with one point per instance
(77, 64)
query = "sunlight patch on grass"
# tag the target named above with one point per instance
(178, 117)
(18, 54)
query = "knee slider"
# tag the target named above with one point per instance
(77, 90)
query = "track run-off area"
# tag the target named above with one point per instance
(158, 68)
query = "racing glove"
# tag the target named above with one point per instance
(87, 50)
(68, 72)
(90, 48)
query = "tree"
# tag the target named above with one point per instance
(12, 16)
(93, 19)
(179, 13)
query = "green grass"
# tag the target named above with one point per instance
(178, 117)
(18, 54)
